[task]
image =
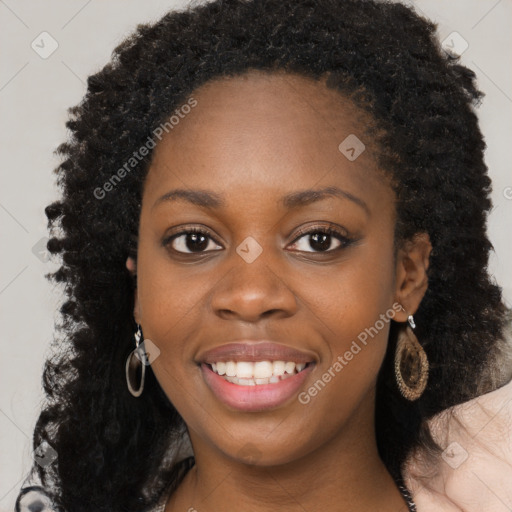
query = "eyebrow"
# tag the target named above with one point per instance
(212, 200)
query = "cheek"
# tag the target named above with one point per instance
(168, 294)
(355, 308)
(350, 297)
(168, 301)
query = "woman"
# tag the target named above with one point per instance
(272, 231)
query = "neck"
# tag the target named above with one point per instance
(343, 474)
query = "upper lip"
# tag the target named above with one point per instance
(261, 350)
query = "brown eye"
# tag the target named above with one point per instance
(320, 239)
(191, 241)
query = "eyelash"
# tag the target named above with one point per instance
(326, 230)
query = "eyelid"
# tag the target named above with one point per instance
(333, 229)
(184, 230)
(330, 228)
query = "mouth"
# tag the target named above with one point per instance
(247, 386)
(257, 373)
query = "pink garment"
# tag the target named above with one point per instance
(474, 473)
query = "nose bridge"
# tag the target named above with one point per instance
(255, 284)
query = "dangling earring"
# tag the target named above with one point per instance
(133, 362)
(411, 363)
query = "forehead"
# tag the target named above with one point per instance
(272, 100)
(271, 127)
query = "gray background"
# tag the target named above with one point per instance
(34, 96)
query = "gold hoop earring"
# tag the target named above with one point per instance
(411, 363)
(133, 363)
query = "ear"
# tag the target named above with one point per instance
(131, 265)
(412, 263)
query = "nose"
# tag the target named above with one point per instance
(250, 292)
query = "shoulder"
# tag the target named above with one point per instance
(474, 471)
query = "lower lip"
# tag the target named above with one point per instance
(254, 398)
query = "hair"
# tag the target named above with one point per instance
(384, 58)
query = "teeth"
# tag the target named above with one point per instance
(245, 373)
(289, 367)
(262, 369)
(231, 369)
(245, 370)
(256, 382)
(278, 367)
(221, 368)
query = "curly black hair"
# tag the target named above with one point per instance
(112, 448)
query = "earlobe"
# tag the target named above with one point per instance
(411, 274)
(131, 265)
(132, 268)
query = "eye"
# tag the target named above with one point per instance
(194, 240)
(190, 241)
(321, 239)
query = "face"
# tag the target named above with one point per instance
(241, 261)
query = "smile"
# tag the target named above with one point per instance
(247, 373)
(255, 386)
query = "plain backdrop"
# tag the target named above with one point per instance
(34, 95)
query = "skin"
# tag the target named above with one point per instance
(253, 139)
